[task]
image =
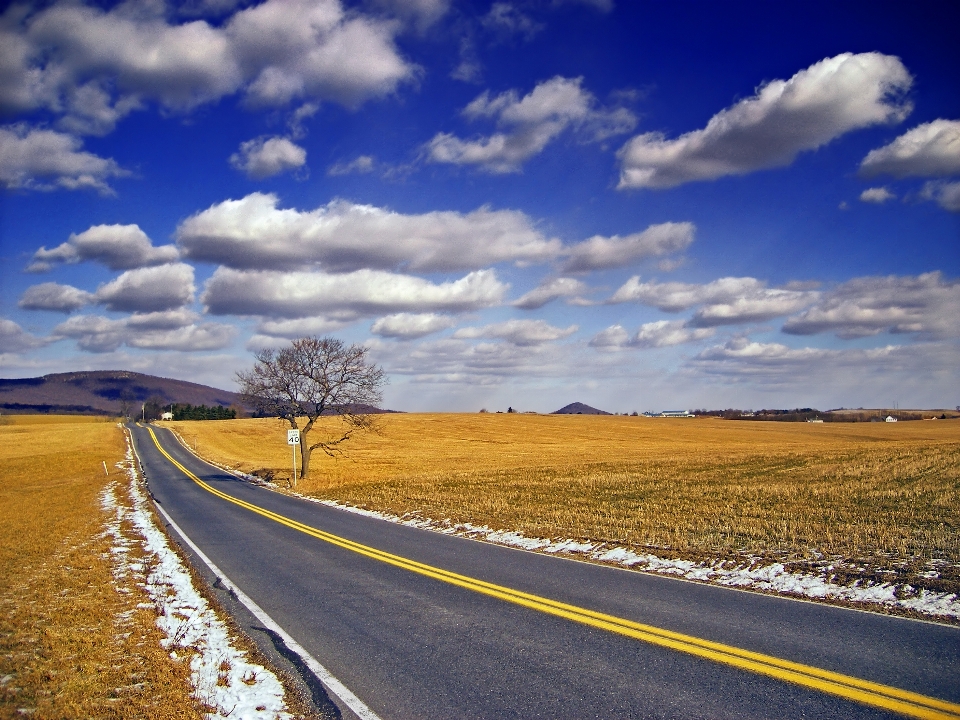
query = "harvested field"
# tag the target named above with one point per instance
(70, 644)
(870, 498)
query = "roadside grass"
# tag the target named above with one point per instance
(871, 500)
(71, 646)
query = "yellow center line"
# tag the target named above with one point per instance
(864, 691)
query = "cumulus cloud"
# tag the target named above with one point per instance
(144, 290)
(769, 129)
(528, 124)
(149, 289)
(408, 326)
(776, 362)
(600, 253)
(119, 247)
(92, 66)
(56, 297)
(14, 339)
(549, 291)
(928, 150)
(877, 195)
(343, 236)
(872, 374)
(946, 195)
(662, 333)
(37, 159)
(361, 165)
(463, 362)
(264, 157)
(300, 327)
(924, 305)
(727, 301)
(151, 332)
(518, 332)
(362, 292)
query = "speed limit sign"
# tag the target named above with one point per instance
(293, 437)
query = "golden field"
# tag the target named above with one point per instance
(886, 495)
(71, 646)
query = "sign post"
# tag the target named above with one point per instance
(293, 440)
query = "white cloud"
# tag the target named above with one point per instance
(784, 117)
(362, 292)
(361, 165)
(14, 339)
(343, 236)
(726, 301)
(870, 377)
(91, 66)
(301, 327)
(924, 305)
(119, 247)
(505, 19)
(549, 291)
(947, 195)
(146, 290)
(99, 334)
(662, 333)
(877, 195)
(460, 362)
(528, 125)
(407, 326)
(149, 289)
(35, 159)
(518, 332)
(928, 150)
(54, 296)
(264, 157)
(599, 253)
(614, 337)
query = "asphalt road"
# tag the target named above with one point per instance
(414, 646)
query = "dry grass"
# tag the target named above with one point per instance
(884, 495)
(70, 645)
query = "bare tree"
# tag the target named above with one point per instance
(314, 377)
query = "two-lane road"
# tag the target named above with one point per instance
(423, 625)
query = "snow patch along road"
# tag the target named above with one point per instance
(771, 578)
(223, 678)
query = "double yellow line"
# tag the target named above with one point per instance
(851, 688)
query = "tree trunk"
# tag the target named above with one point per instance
(305, 451)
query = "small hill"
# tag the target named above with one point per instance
(579, 408)
(102, 392)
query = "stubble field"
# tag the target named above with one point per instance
(71, 645)
(876, 498)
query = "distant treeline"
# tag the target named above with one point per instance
(805, 414)
(186, 411)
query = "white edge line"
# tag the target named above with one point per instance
(323, 675)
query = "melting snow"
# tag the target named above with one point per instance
(223, 678)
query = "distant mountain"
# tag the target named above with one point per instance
(102, 392)
(579, 408)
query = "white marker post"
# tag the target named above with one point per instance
(293, 440)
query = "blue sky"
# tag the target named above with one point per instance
(634, 205)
